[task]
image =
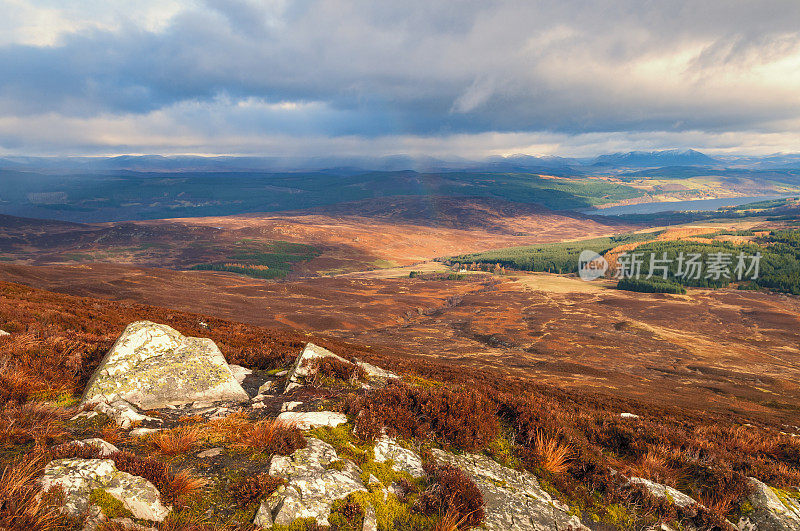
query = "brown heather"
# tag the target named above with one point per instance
(58, 340)
(452, 495)
(251, 489)
(458, 417)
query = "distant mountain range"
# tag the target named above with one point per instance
(353, 165)
(649, 159)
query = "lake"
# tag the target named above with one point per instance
(666, 206)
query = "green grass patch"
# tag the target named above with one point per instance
(262, 259)
(111, 507)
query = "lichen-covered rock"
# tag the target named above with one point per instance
(376, 372)
(143, 432)
(105, 448)
(308, 420)
(79, 477)
(664, 491)
(239, 372)
(403, 459)
(289, 406)
(153, 366)
(770, 510)
(117, 409)
(512, 499)
(370, 519)
(311, 487)
(300, 369)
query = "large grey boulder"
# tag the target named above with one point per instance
(311, 487)
(512, 499)
(153, 366)
(79, 477)
(770, 510)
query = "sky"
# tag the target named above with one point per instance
(455, 78)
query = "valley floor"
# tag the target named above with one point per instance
(723, 350)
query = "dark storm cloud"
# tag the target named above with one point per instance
(432, 68)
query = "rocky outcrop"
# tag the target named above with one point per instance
(78, 478)
(403, 459)
(769, 509)
(104, 448)
(153, 366)
(300, 370)
(4, 333)
(117, 409)
(311, 487)
(313, 419)
(376, 372)
(658, 490)
(512, 499)
(240, 373)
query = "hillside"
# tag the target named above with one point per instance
(351, 237)
(570, 441)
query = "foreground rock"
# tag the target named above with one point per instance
(153, 366)
(104, 448)
(117, 409)
(78, 478)
(376, 372)
(512, 499)
(770, 510)
(301, 368)
(311, 487)
(313, 419)
(658, 490)
(403, 460)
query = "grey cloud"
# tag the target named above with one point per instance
(422, 67)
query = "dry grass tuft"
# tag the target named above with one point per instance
(266, 435)
(719, 503)
(553, 456)
(36, 422)
(22, 503)
(185, 485)
(112, 433)
(175, 441)
(452, 520)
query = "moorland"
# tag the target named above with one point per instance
(462, 280)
